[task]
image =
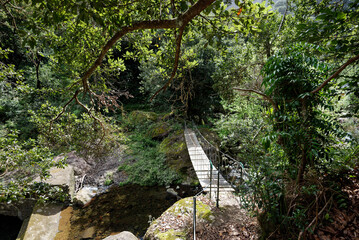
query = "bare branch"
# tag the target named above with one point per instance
(281, 23)
(350, 61)
(64, 109)
(315, 219)
(94, 117)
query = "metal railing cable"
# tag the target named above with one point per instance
(231, 169)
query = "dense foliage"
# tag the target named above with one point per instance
(277, 80)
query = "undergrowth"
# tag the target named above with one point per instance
(145, 164)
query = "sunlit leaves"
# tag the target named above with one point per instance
(331, 24)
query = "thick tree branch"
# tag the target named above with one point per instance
(269, 99)
(350, 61)
(179, 22)
(175, 65)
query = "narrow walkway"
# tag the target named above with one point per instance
(202, 166)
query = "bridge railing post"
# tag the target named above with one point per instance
(194, 218)
(218, 168)
(210, 180)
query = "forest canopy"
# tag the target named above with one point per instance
(276, 80)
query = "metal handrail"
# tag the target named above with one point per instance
(239, 164)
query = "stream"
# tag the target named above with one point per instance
(122, 208)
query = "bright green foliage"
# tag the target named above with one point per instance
(330, 24)
(27, 158)
(146, 164)
(191, 92)
(81, 133)
(241, 129)
(20, 164)
(305, 141)
(299, 122)
(44, 192)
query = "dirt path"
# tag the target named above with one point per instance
(231, 222)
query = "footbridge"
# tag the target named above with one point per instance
(216, 171)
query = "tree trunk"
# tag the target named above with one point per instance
(302, 167)
(38, 82)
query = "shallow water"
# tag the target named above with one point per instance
(125, 208)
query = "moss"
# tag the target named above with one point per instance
(171, 235)
(138, 117)
(177, 158)
(159, 130)
(170, 146)
(185, 206)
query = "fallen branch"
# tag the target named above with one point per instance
(94, 117)
(180, 22)
(64, 109)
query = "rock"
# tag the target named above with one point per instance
(139, 117)
(173, 223)
(172, 191)
(159, 130)
(122, 236)
(64, 178)
(85, 195)
(43, 223)
(81, 167)
(177, 158)
(88, 233)
(21, 209)
(61, 177)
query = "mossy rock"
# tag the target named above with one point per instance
(159, 130)
(211, 136)
(172, 235)
(182, 210)
(139, 117)
(177, 157)
(185, 206)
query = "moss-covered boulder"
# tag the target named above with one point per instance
(177, 157)
(140, 117)
(175, 222)
(159, 130)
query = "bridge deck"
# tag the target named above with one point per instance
(201, 165)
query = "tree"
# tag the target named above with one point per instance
(114, 20)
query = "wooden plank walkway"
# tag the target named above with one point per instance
(201, 165)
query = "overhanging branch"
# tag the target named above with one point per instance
(350, 61)
(269, 99)
(175, 65)
(178, 22)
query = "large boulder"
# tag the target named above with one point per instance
(176, 221)
(159, 130)
(140, 117)
(85, 194)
